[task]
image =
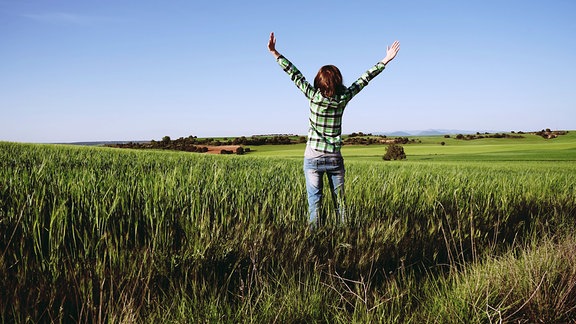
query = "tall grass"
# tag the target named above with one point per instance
(93, 234)
(536, 283)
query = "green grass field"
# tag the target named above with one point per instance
(473, 231)
(530, 148)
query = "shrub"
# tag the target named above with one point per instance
(394, 152)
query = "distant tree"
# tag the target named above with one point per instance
(446, 136)
(394, 152)
(239, 150)
(166, 139)
(442, 143)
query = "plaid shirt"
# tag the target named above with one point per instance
(325, 130)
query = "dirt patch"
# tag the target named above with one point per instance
(218, 149)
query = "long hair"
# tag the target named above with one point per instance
(329, 81)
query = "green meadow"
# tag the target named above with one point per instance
(474, 231)
(529, 148)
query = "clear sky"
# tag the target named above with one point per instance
(138, 70)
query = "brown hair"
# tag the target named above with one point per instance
(329, 81)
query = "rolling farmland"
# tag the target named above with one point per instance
(478, 230)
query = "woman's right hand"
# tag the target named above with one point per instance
(391, 52)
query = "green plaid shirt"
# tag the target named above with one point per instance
(325, 132)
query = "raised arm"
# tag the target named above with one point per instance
(363, 81)
(272, 46)
(290, 69)
(391, 52)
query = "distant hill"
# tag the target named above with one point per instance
(399, 133)
(427, 132)
(100, 143)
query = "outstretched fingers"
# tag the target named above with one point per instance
(394, 47)
(272, 42)
(391, 52)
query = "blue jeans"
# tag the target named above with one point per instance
(314, 170)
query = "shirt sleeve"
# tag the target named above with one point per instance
(363, 81)
(296, 76)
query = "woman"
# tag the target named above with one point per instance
(328, 99)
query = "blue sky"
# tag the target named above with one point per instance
(139, 70)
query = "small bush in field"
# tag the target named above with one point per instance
(394, 152)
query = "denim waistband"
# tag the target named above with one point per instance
(333, 160)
